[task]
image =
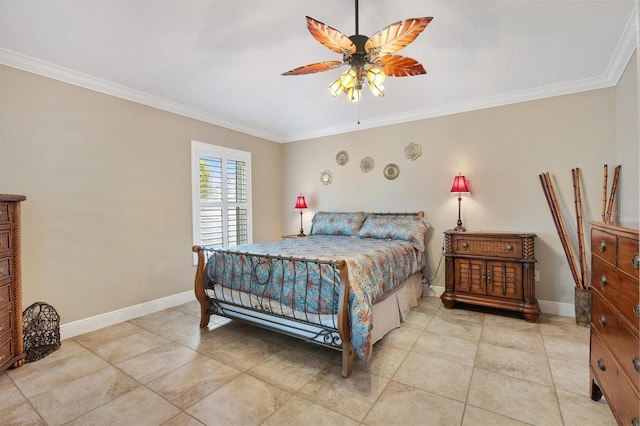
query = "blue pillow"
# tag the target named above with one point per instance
(331, 223)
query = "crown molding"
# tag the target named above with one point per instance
(66, 75)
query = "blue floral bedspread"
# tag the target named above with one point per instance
(375, 268)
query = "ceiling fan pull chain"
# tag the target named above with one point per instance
(357, 31)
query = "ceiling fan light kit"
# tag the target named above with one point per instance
(369, 59)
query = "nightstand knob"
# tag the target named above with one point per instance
(636, 364)
(509, 247)
(603, 280)
(601, 365)
(465, 245)
(635, 262)
(602, 246)
(602, 320)
(635, 422)
(636, 309)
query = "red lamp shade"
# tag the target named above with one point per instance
(459, 185)
(301, 203)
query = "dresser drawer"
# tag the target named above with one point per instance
(621, 397)
(5, 325)
(5, 245)
(4, 213)
(5, 270)
(5, 351)
(4, 294)
(622, 341)
(627, 251)
(603, 245)
(618, 289)
(502, 247)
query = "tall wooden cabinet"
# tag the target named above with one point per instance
(493, 269)
(11, 340)
(614, 358)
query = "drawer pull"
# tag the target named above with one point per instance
(465, 245)
(636, 364)
(635, 262)
(509, 247)
(601, 365)
(636, 309)
(602, 320)
(603, 280)
(602, 246)
(635, 422)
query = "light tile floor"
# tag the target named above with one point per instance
(442, 367)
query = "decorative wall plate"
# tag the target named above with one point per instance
(326, 177)
(391, 171)
(367, 164)
(342, 158)
(413, 151)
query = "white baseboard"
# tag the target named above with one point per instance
(546, 306)
(97, 322)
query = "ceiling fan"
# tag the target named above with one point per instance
(368, 57)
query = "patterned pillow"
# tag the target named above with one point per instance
(331, 223)
(407, 228)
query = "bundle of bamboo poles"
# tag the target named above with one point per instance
(607, 209)
(581, 277)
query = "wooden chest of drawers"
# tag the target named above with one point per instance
(491, 269)
(614, 358)
(11, 340)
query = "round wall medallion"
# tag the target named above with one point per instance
(367, 164)
(391, 171)
(342, 158)
(326, 177)
(413, 151)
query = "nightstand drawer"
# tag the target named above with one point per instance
(503, 247)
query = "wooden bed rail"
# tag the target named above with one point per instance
(343, 318)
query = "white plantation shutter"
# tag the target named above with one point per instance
(221, 183)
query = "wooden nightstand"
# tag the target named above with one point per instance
(493, 269)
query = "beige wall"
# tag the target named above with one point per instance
(107, 221)
(627, 112)
(500, 150)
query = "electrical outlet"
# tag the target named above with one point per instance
(537, 275)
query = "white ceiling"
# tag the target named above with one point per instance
(221, 61)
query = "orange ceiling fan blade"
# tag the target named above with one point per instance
(396, 36)
(330, 37)
(313, 68)
(400, 66)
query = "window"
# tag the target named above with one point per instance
(221, 195)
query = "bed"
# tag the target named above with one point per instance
(346, 285)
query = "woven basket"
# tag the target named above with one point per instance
(41, 330)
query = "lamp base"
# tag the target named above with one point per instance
(459, 228)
